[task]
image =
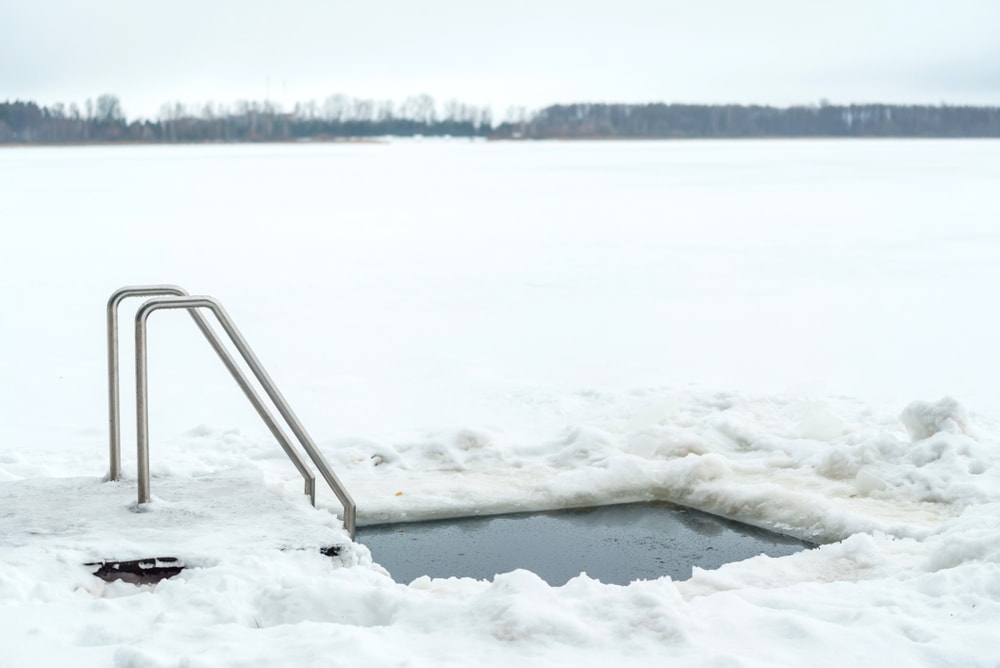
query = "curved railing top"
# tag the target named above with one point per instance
(122, 293)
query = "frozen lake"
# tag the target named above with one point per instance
(416, 285)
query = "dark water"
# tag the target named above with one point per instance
(613, 544)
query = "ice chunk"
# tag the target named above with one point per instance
(923, 419)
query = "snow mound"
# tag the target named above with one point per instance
(923, 419)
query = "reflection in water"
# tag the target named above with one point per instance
(614, 544)
(705, 525)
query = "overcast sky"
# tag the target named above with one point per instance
(514, 52)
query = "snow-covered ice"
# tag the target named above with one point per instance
(795, 334)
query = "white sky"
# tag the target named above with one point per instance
(517, 52)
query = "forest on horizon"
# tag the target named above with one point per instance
(342, 117)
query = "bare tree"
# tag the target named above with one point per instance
(109, 108)
(420, 108)
(336, 107)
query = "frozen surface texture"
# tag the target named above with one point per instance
(798, 335)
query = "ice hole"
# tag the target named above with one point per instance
(613, 544)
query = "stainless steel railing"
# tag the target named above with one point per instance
(180, 299)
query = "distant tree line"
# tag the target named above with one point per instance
(583, 121)
(340, 116)
(26, 122)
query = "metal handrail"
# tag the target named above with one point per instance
(114, 419)
(191, 303)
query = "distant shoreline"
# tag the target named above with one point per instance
(207, 142)
(512, 140)
(26, 123)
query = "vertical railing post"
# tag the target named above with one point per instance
(141, 411)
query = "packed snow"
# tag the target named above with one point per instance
(796, 334)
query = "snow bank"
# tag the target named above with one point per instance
(757, 459)
(911, 562)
